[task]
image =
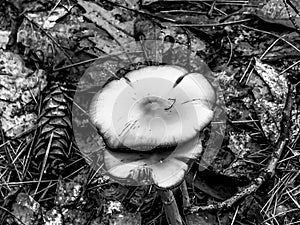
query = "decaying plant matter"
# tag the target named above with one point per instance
(243, 167)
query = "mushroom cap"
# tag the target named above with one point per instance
(165, 170)
(153, 107)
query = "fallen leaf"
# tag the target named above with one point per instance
(270, 91)
(26, 209)
(117, 22)
(281, 12)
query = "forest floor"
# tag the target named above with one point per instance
(55, 54)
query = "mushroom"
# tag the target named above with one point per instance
(150, 121)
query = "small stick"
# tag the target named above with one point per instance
(170, 207)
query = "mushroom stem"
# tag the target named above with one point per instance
(170, 207)
(185, 195)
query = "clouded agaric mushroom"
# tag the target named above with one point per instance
(150, 121)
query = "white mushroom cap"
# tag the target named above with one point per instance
(151, 107)
(163, 170)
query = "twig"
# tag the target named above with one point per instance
(182, 11)
(234, 216)
(275, 35)
(92, 60)
(212, 7)
(231, 51)
(212, 25)
(291, 66)
(44, 162)
(52, 10)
